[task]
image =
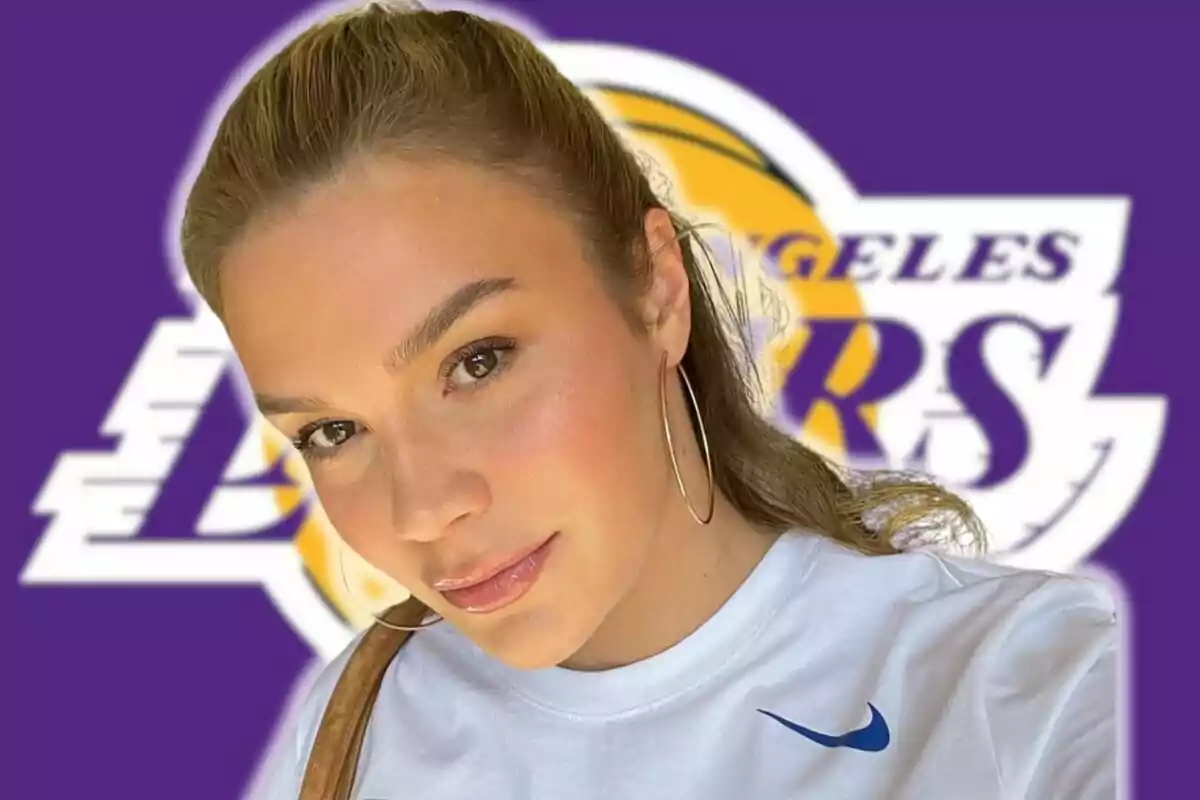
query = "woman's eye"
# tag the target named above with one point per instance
(321, 439)
(477, 366)
(478, 362)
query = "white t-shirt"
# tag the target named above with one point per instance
(828, 674)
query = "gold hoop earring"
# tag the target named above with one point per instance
(378, 619)
(712, 491)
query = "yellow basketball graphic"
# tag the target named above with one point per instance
(717, 177)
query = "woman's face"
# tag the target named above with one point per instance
(465, 393)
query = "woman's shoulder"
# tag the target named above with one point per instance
(938, 575)
(935, 602)
(1046, 668)
(1028, 660)
(317, 693)
(280, 773)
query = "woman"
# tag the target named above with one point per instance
(452, 287)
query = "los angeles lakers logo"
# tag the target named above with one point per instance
(959, 336)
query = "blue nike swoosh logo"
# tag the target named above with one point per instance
(871, 738)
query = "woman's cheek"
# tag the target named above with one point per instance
(571, 428)
(354, 494)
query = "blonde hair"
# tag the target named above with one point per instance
(420, 84)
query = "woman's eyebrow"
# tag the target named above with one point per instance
(424, 335)
(442, 317)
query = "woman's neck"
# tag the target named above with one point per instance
(689, 573)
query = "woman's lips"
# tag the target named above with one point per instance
(492, 587)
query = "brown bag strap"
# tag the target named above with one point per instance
(333, 762)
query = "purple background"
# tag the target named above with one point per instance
(171, 692)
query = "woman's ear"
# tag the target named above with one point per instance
(666, 308)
